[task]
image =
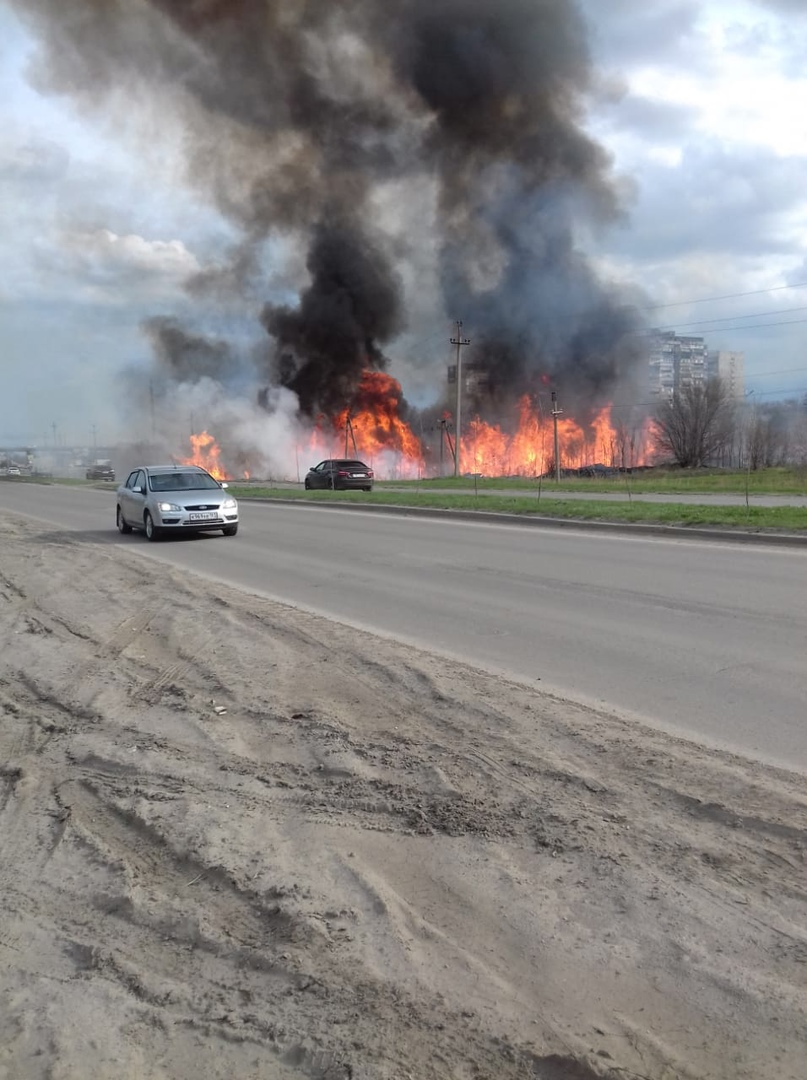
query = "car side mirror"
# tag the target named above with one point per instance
(224, 484)
(142, 489)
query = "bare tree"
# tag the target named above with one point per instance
(773, 435)
(627, 436)
(696, 424)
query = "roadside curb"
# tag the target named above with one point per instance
(542, 521)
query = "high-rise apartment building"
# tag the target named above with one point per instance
(679, 361)
(730, 367)
(676, 362)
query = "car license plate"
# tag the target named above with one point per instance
(359, 475)
(208, 516)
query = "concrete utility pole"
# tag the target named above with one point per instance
(459, 341)
(556, 412)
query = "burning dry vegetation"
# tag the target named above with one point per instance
(374, 431)
(416, 163)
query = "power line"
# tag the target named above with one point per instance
(732, 329)
(729, 318)
(654, 404)
(701, 322)
(784, 371)
(768, 393)
(728, 296)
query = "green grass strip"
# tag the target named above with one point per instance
(780, 518)
(780, 481)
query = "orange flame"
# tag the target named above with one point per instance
(529, 451)
(206, 454)
(372, 428)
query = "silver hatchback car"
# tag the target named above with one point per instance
(160, 499)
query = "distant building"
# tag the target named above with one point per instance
(475, 377)
(676, 362)
(679, 361)
(730, 367)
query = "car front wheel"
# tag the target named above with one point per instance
(308, 485)
(152, 532)
(230, 530)
(122, 526)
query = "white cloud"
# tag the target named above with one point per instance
(101, 266)
(132, 254)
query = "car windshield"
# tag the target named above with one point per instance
(181, 481)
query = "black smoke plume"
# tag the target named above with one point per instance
(295, 116)
(352, 304)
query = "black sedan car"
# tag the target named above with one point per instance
(100, 471)
(340, 474)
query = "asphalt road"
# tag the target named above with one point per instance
(707, 639)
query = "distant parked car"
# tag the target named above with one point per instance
(100, 471)
(14, 470)
(340, 474)
(163, 499)
(597, 472)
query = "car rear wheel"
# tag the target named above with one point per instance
(230, 530)
(367, 489)
(122, 526)
(152, 532)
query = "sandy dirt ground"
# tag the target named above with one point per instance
(241, 841)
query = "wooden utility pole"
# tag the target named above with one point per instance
(350, 434)
(556, 412)
(445, 437)
(459, 341)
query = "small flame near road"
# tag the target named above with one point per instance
(207, 455)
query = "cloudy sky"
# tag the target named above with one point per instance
(701, 105)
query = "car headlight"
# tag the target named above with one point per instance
(166, 508)
(229, 504)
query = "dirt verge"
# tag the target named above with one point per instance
(238, 840)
